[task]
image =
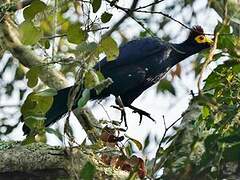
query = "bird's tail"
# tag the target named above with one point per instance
(57, 110)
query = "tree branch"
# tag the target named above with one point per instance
(116, 25)
(41, 161)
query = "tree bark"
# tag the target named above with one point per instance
(41, 161)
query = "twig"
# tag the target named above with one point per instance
(120, 21)
(164, 121)
(153, 3)
(129, 12)
(10, 106)
(163, 137)
(213, 49)
(104, 109)
(166, 15)
(63, 35)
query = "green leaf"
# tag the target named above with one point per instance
(34, 122)
(47, 44)
(90, 79)
(236, 68)
(96, 4)
(102, 85)
(88, 171)
(29, 139)
(128, 149)
(44, 103)
(146, 141)
(205, 112)
(56, 132)
(85, 47)
(222, 28)
(84, 98)
(105, 17)
(75, 34)
(109, 46)
(29, 34)
(35, 7)
(36, 105)
(232, 138)
(232, 153)
(48, 92)
(165, 85)
(100, 76)
(136, 142)
(32, 76)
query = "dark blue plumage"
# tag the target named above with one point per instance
(140, 64)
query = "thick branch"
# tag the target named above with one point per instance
(49, 76)
(41, 161)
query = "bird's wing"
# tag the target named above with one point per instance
(134, 52)
(124, 80)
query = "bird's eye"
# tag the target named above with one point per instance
(200, 39)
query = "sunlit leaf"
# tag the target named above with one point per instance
(205, 112)
(91, 79)
(109, 46)
(32, 76)
(75, 34)
(36, 105)
(35, 7)
(29, 34)
(34, 122)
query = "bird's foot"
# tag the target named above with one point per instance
(141, 113)
(123, 114)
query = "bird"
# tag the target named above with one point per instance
(141, 63)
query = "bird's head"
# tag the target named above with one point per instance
(197, 41)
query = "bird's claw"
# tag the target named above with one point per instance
(143, 113)
(123, 115)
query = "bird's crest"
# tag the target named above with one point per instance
(196, 30)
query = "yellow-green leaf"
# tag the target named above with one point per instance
(35, 7)
(91, 79)
(75, 34)
(29, 34)
(109, 46)
(32, 76)
(136, 142)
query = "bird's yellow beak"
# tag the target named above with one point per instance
(209, 40)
